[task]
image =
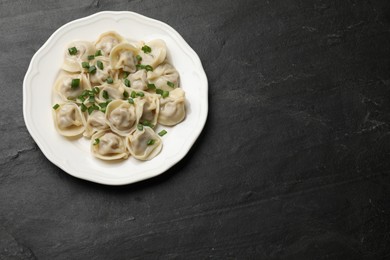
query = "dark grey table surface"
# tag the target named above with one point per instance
(293, 162)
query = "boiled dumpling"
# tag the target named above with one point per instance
(96, 122)
(70, 86)
(121, 117)
(123, 57)
(106, 145)
(75, 54)
(165, 77)
(172, 108)
(153, 53)
(144, 144)
(107, 41)
(110, 92)
(150, 106)
(69, 119)
(138, 80)
(102, 72)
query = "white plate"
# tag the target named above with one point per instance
(74, 156)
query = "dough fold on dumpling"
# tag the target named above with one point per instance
(106, 145)
(107, 41)
(69, 120)
(144, 144)
(121, 116)
(149, 107)
(172, 108)
(123, 56)
(63, 85)
(163, 76)
(96, 122)
(72, 62)
(157, 54)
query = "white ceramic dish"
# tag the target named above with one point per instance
(73, 156)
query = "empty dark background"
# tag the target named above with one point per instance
(293, 163)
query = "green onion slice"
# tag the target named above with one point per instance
(83, 107)
(56, 106)
(159, 91)
(139, 58)
(170, 84)
(151, 86)
(146, 49)
(151, 142)
(97, 141)
(72, 51)
(127, 83)
(165, 94)
(148, 68)
(91, 57)
(133, 94)
(98, 53)
(105, 94)
(92, 69)
(125, 94)
(140, 127)
(75, 83)
(110, 80)
(162, 133)
(126, 74)
(140, 94)
(99, 64)
(131, 101)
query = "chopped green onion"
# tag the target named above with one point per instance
(127, 83)
(91, 99)
(170, 84)
(146, 49)
(85, 93)
(140, 94)
(97, 141)
(165, 94)
(162, 133)
(131, 101)
(159, 91)
(151, 142)
(105, 94)
(98, 53)
(72, 51)
(99, 64)
(96, 90)
(147, 123)
(125, 94)
(133, 94)
(140, 127)
(70, 98)
(139, 58)
(85, 64)
(148, 68)
(82, 99)
(83, 107)
(110, 80)
(91, 57)
(56, 106)
(125, 74)
(151, 86)
(92, 108)
(103, 105)
(92, 69)
(75, 83)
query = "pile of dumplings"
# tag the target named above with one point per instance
(116, 93)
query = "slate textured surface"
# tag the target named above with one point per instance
(293, 162)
